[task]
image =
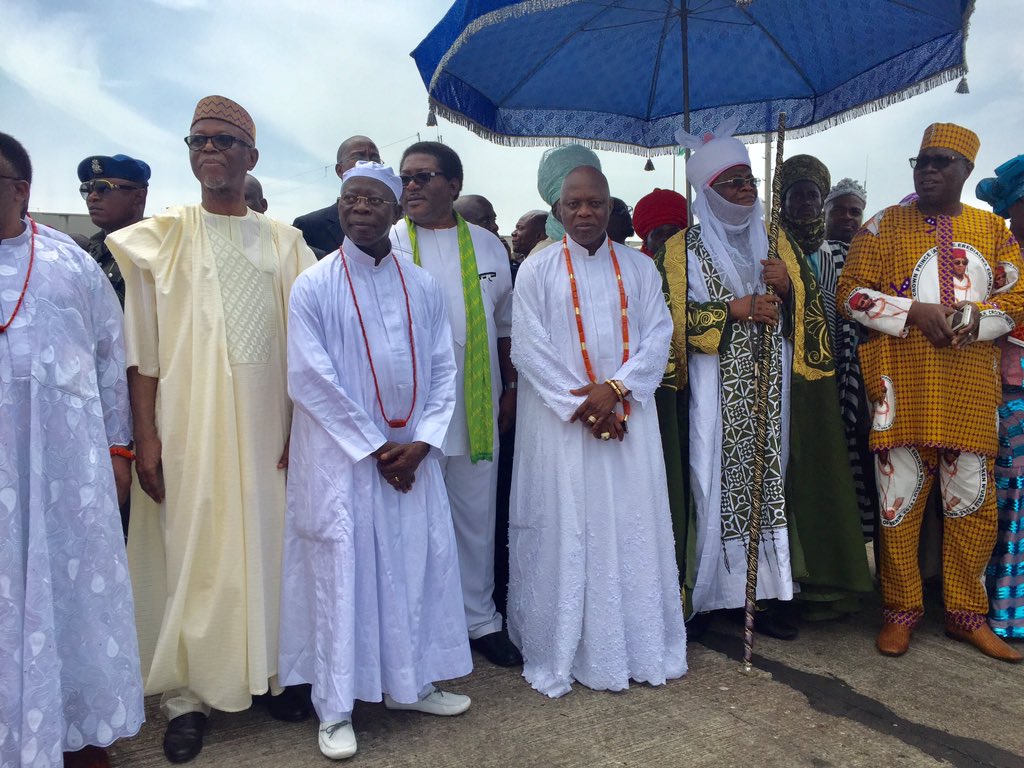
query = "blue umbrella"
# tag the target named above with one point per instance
(616, 74)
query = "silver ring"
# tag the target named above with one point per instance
(592, 419)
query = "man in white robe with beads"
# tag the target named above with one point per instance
(69, 663)
(593, 583)
(371, 604)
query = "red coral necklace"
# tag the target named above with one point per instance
(28, 274)
(366, 342)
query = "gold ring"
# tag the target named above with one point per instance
(396, 478)
(592, 419)
(606, 435)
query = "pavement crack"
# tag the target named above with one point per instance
(833, 696)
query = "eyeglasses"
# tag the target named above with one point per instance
(961, 262)
(422, 178)
(739, 182)
(222, 141)
(938, 162)
(12, 178)
(102, 187)
(351, 201)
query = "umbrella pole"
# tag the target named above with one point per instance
(685, 43)
(763, 367)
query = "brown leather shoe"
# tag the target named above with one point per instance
(894, 639)
(986, 641)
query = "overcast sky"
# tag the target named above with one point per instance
(102, 77)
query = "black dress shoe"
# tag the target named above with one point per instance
(771, 623)
(498, 649)
(183, 739)
(292, 705)
(697, 625)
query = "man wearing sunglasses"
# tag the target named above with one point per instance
(931, 370)
(472, 267)
(206, 297)
(114, 189)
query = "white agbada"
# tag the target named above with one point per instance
(593, 583)
(371, 601)
(69, 660)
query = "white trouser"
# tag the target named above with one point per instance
(472, 494)
(328, 717)
(180, 702)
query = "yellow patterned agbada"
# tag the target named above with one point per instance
(923, 395)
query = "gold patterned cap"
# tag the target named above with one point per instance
(223, 108)
(952, 136)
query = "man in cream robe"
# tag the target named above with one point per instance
(593, 583)
(371, 602)
(207, 290)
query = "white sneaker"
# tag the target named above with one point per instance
(437, 703)
(337, 740)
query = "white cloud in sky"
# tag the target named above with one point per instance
(125, 76)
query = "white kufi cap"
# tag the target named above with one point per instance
(379, 171)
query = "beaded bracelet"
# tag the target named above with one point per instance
(124, 453)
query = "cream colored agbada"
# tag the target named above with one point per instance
(205, 313)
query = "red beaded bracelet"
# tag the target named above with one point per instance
(125, 453)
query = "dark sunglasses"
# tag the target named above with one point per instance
(938, 162)
(222, 141)
(422, 178)
(739, 182)
(102, 187)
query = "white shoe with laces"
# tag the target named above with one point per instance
(337, 740)
(436, 703)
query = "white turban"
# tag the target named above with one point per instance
(713, 157)
(379, 171)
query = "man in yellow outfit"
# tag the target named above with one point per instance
(931, 373)
(206, 300)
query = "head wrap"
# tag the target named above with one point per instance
(810, 232)
(805, 167)
(662, 206)
(1005, 189)
(952, 136)
(847, 187)
(734, 235)
(223, 108)
(555, 165)
(371, 170)
(115, 167)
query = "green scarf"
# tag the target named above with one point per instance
(477, 368)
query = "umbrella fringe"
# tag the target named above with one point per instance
(866, 108)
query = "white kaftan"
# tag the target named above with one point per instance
(370, 600)
(472, 488)
(69, 660)
(593, 583)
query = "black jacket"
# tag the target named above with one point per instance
(321, 229)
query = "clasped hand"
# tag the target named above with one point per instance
(398, 462)
(597, 412)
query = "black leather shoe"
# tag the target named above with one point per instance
(183, 739)
(771, 623)
(291, 705)
(697, 626)
(498, 649)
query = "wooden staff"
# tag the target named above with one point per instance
(763, 369)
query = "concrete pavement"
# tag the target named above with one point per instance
(832, 700)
